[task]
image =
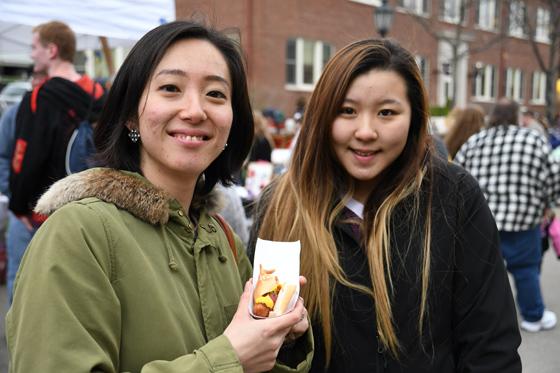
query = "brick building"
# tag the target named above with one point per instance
(287, 42)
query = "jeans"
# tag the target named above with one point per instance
(17, 239)
(523, 255)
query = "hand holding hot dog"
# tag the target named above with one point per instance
(257, 342)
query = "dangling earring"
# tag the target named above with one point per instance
(134, 135)
(225, 146)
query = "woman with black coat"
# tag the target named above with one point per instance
(399, 247)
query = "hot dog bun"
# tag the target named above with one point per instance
(283, 300)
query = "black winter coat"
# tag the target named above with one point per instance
(471, 321)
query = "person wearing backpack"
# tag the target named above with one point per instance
(17, 234)
(45, 122)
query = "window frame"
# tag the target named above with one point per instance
(484, 89)
(519, 31)
(451, 19)
(491, 15)
(420, 7)
(538, 98)
(368, 2)
(298, 61)
(424, 67)
(542, 28)
(515, 83)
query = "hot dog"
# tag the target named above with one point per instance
(271, 298)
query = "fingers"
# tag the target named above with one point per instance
(288, 320)
(299, 328)
(245, 298)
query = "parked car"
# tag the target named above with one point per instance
(12, 93)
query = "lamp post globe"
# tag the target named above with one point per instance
(383, 17)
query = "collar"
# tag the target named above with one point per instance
(127, 190)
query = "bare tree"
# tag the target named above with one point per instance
(459, 34)
(549, 64)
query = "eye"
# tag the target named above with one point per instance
(169, 88)
(386, 112)
(347, 110)
(217, 94)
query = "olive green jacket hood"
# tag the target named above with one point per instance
(113, 186)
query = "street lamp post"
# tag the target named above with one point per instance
(383, 17)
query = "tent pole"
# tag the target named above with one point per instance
(108, 55)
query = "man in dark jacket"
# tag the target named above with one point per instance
(46, 120)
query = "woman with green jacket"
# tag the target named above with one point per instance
(132, 272)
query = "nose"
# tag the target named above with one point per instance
(367, 128)
(192, 109)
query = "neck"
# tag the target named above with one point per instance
(178, 186)
(63, 69)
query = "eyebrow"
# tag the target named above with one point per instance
(382, 102)
(179, 72)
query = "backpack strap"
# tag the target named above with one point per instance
(34, 96)
(229, 234)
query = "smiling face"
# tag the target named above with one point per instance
(371, 129)
(185, 113)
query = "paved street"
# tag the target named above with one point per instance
(540, 352)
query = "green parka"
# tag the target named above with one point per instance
(118, 279)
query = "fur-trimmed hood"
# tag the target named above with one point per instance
(126, 190)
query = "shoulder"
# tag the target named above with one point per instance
(82, 217)
(452, 174)
(74, 234)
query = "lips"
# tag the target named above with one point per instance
(364, 153)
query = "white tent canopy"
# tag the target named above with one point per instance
(123, 22)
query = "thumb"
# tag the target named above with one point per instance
(246, 296)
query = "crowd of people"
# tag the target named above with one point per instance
(129, 266)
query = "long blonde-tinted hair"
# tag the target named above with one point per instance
(308, 199)
(468, 121)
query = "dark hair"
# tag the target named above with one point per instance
(505, 112)
(115, 150)
(61, 35)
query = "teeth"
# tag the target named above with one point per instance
(190, 138)
(363, 154)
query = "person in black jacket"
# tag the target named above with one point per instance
(47, 118)
(399, 246)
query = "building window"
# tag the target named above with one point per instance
(291, 61)
(486, 14)
(423, 66)
(538, 88)
(416, 6)
(514, 84)
(484, 84)
(517, 17)
(543, 25)
(305, 60)
(451, 11)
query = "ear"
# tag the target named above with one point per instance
(130, 125)
(52, 50)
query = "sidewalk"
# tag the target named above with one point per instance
(539, 351)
